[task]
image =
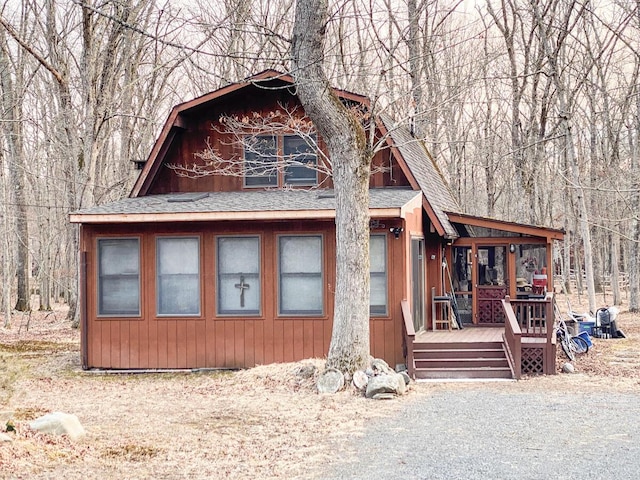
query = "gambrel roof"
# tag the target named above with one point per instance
(411, 154)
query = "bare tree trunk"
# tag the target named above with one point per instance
(633, 265)
(351, 162)
(12, 131)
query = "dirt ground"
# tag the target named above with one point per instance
(266, 422)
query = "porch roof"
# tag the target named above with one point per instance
(244, 205)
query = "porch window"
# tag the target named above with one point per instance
(119, 277)
(178, 276)
(300, 275)
(378, 272)
(300, 161)
(238, 275)
(260, 161)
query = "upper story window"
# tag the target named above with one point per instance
(272, 161)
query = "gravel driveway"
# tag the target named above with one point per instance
(498, 431)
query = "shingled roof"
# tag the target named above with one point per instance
(427, 175)
(244, 205)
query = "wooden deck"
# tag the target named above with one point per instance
(467, 334)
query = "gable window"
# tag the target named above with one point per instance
(238, 275)
(300, 161)
(272, 161)
(119, 276)
(178, 275)
(300, 275)
(261, 161)
(378, 260)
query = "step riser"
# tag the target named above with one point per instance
(431, 354)
(461, 374)
(462, 363)
(458, 346)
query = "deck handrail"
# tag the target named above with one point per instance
(408, 337)
(513, 338)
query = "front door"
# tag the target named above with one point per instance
(417, 282)
(491, 283)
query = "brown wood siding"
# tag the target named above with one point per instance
(211, 340)
(204, 127)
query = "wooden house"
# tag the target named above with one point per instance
(223, 256)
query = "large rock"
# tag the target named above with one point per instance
(59, 423)
(387, 383)
(380, 366)
(5, 438)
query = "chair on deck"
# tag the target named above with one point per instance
(440, 311)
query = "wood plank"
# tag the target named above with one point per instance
(162, 352)
(289, 335)
(308, 339)
(318, 339)
(229, 343)
(180, 342)
(259, 342)
(249, 343)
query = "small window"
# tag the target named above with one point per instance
(378, 260)
(300, 272)
(300, 160)
(238, 275)
(178, 276)
(260, 161)
(119, 277)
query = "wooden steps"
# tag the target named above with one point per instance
(459, 360)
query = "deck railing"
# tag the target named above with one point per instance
(534, 320)
(408, 337)
(513, 339)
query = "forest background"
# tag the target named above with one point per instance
(531, 110)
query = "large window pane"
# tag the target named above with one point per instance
(119, 276)
(378, 259)
(300, 160)
(300, 262)
(238, 275)
(178, 276)
(260, 161)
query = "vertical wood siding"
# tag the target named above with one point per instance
(213, 341)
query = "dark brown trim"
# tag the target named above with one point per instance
(475, 221)
(82, 303)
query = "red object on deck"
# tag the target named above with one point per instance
(539, 286)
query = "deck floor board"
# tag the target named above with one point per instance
(468, 334)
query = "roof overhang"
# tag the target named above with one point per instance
(158, 209)
(226, 216)
(513, 227)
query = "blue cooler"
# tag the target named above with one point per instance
(586, 327)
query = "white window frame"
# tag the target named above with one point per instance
(159, 275)
(101, 277)
(306, 312)
(257, 284)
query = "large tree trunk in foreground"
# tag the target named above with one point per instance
(351, 161)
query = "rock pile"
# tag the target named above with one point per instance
(377, 381)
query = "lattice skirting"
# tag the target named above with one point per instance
(533, 361)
